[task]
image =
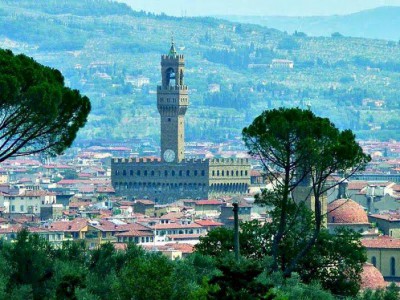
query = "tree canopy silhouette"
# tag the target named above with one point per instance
(37, 112)
(300, 150)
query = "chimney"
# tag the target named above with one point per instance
(342, 194)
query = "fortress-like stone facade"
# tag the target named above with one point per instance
(189, 179)
(172, 176)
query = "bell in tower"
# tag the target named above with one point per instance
(172, 103)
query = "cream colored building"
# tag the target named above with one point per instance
(384, 253)
(26, 202)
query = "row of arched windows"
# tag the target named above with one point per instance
(228, 187)
(227, 173)
(159, 186)
(392, 265)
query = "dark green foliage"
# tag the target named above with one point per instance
(238, 279)
(300, 151)
(392, 292)
(335, 261)
(37, 112)
(217, 242)
(230, 99)
(236, 59)
(288, 43)
(31, 266)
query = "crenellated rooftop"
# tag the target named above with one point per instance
(173, 88)
(213, 161)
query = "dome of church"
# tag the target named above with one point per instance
(371, 278)
(346, 211)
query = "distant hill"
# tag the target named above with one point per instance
(379, 23)
(103, 48)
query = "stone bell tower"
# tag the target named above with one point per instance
(172, 103)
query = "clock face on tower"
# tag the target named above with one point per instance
(169, 155)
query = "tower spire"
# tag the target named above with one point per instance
(172, 50)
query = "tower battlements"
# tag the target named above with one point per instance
(172, 88)
(229, 161)
(173, 58)
(154, 161)
(213, 161)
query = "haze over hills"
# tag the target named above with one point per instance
(257, 7)
(377, 23)
(104, 48)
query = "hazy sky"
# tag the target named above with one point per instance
(256, 7)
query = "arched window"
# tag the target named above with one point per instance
(223, 173)
(173, 173)
(165, 173)
(181, 78)
(213, 173)
(373, 261)
(170, 74)
(180, 173)
(203, 173)
(195, 172)
(188, 173)
(138, 172)
(392, 266)
(152, 173)
(124, 172)
(131, 172)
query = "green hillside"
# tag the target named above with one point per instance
(100, 45)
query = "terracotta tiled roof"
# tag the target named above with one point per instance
(346, 211)
(255, 173)
(206, 223)
(105, 189)
(133, 232)
(58, 167)
(388, 217)
(68, 226)
(105, 225)
(183, 247)
(11, 229)
(209, 202)
(135, 226)
(357, 184)
(146, 202)
(120, 246)
(381, 242)
(172, 216)
(371, 278)
(74, 181)
(176, 226)
(126, 203)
